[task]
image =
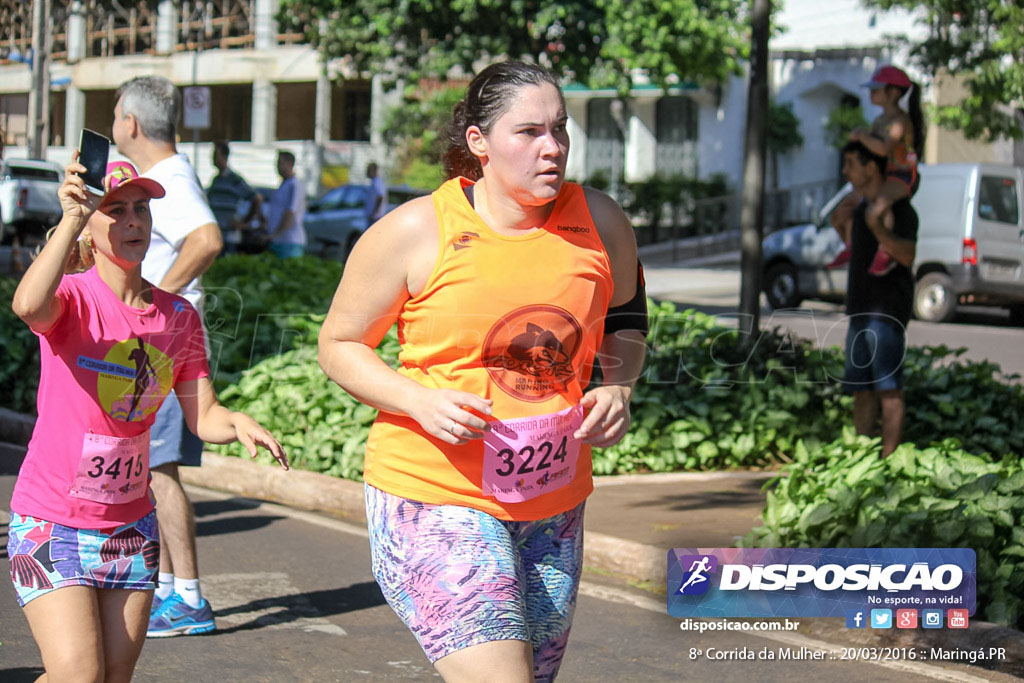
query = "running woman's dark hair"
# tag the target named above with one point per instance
(489, 96)
(916, 117)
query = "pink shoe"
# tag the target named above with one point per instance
(882, 264)
(842, 259)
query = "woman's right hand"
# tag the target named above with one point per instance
(446, 414)
(75, 200)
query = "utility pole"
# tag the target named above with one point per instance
(39, 95)
(752, 216)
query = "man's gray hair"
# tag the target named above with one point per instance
(154, 102)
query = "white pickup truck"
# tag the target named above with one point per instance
(28, 199)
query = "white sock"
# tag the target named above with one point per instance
(165, 585)
(189, 591)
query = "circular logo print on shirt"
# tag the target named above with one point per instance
(134, 377)
(529, 351)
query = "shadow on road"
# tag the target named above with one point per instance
(232, 525)
(287, 608)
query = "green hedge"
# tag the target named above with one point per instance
(19, 366)
(843, 495)
(262, 306)
(705, 402)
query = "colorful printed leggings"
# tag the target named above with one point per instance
(459, 577)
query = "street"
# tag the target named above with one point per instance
(294, 601)
(985, 332)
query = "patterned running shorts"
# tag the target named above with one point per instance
(46, 556)
(459, 577)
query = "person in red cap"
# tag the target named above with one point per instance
(83, 539)
(898, 136)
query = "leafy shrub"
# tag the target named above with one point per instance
(844, 496)
(261, 306)
(705, 401)
(322, 428)
(19, 367)
(972, 401)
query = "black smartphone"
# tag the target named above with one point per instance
(94, 149)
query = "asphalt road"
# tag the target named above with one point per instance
(294, 601)
(985, 332)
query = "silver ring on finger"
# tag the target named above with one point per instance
(453, 428)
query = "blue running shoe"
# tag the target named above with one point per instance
(177, 618)
(157, 601)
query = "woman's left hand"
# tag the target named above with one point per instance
(608, 420)
(251, 434)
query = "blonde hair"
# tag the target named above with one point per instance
(79, 260)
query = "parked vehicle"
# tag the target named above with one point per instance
(970, 245)
(335, 221)
(28, 198)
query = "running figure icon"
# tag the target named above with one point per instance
(697, 570)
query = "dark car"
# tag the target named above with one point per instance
(334, 222)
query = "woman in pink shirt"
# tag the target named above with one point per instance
(83, 541)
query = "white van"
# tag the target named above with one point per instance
(970, 245)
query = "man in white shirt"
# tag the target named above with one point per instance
(185, 241)
(287, 209)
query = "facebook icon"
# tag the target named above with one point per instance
(855, 619)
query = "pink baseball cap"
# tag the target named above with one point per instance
(888, 75)
(121, 173)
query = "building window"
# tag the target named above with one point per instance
(675, 124)
(296, 111)
(350, 111)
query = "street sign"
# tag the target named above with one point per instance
(197, 107)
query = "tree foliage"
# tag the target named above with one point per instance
(981, 41)
(595, 42)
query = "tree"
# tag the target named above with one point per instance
(415, 131)
(982, 42)
(595, 42)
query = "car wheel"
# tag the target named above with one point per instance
(780, 286)
(934, 298)
(1017, 315)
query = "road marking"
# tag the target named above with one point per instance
(794, 639)
(265, 600)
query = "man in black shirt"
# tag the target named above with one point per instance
(878, 307)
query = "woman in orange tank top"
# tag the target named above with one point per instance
(478, 465)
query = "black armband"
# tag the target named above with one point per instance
(631, 315)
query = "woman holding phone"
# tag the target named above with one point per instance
(82, 540)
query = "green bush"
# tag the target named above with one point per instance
(843, 495)
(972, 401)
(706, 401)
(19, 367)
(262, 306)
(322, 428)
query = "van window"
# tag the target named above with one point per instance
(997, 199)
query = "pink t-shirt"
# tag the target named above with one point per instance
(105, 368)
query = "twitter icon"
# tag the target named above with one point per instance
(881, 618)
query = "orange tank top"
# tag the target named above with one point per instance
(516, 319)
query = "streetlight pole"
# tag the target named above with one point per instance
(39, 95)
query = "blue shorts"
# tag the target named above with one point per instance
(875, 347)
(170, 439)
(459, 577)
(281, 250)
(45, 556)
